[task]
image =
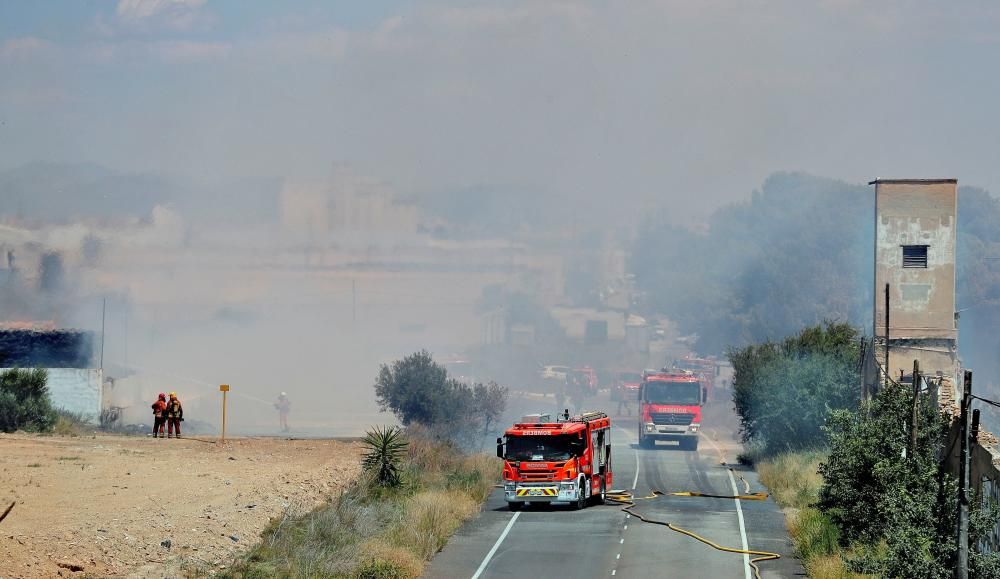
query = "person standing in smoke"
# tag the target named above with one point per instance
(283, 405)
(175, 415)
(159, 415)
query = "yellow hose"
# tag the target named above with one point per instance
(626, 498)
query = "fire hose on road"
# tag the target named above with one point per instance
(628, 502)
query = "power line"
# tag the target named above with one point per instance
(986, 400)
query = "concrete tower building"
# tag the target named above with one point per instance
(915, 229)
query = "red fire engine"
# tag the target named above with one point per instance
(670, 408)
(566, 460)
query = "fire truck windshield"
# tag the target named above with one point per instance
(673, 392)
(528, 448)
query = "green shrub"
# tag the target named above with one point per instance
(419, 392)
(385, 448)
(24, 401)
(784, 391)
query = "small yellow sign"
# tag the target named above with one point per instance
(223, 387)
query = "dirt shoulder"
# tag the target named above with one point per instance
(107, 505)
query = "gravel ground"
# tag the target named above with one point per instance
(141, 507)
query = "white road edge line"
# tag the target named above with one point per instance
(503, 535)
(743, 530)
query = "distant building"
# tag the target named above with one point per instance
(915, 232)
(346, 202)
(74, 384)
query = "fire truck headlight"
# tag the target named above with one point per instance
(650, 427)
(509, 486)
(694, 428)
(567, 486)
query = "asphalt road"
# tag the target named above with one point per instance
(602, 541)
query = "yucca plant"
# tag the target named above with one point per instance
(385, 447)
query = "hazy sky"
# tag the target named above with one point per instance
(635, 101)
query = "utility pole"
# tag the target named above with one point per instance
(913, 418)
(962, 570)
(886, 385)
(125, 341)
(104, 311)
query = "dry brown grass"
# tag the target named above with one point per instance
(491, 468)
(68, 425)
(379, 558)
(829, 567)
(431, 517)
(792, 478)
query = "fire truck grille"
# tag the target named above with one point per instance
(672, 418)
(541, 475)
(537, 476)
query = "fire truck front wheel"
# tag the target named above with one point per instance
(581, 501)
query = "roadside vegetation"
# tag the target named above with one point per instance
(415, 492)
(794, 482)
(861, 500)
(419, 484)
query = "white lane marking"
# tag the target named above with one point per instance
(626, 527)
(618, 556)
(619, 542)
(503, 535)
(613, 571)
(635, 481)
(743, 530)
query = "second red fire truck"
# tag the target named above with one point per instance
(670, 408)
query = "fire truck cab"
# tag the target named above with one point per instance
(670, 408)
(566, 460)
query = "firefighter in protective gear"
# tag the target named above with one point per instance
(159, 415)
(175, 415)
(283, 405)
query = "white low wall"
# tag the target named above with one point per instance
(76, 390)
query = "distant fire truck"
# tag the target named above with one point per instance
(567, 460)
(670, 408)
(707, 370)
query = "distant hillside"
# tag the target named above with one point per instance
(63, 192)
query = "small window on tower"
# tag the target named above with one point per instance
(915, 256)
